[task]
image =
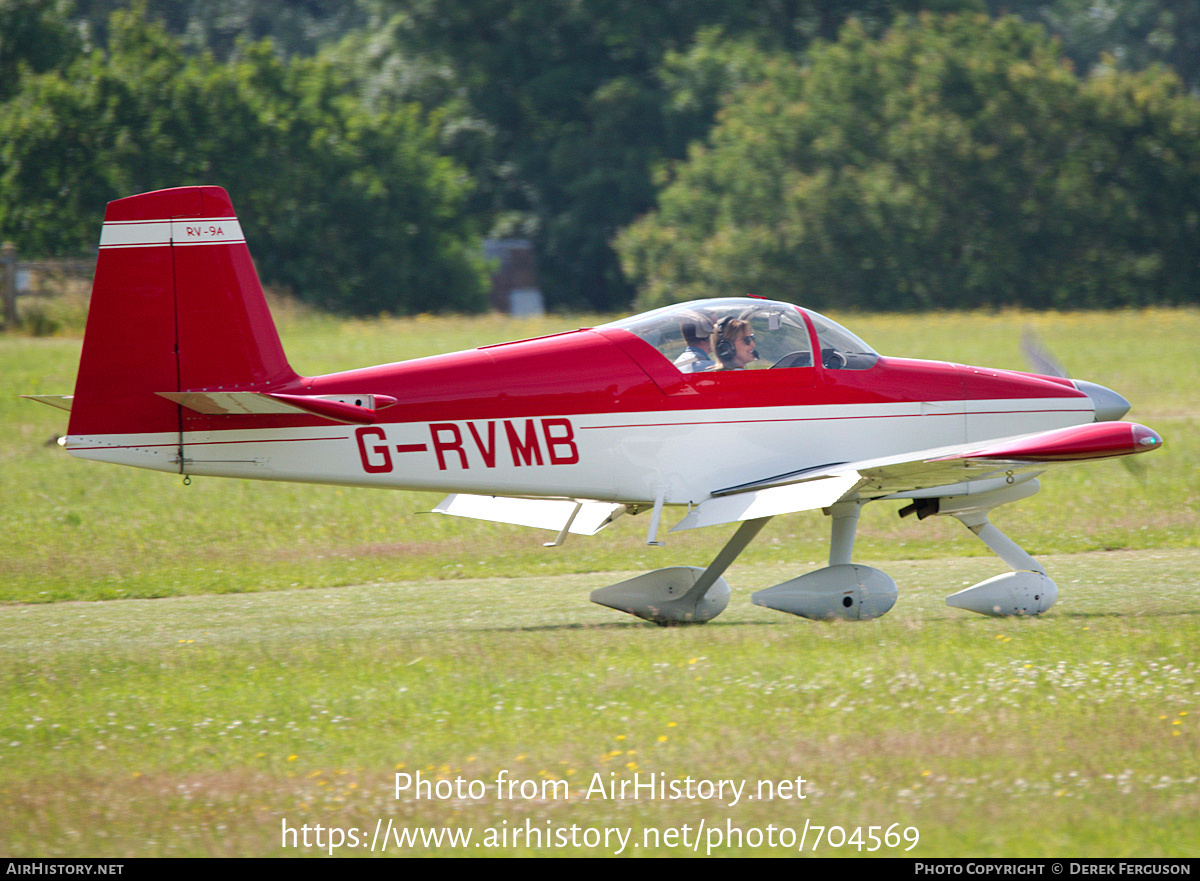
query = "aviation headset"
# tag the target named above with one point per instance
(724, 349)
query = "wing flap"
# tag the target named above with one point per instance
(554, 514)
(753, 504)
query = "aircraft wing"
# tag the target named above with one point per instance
(953, 470)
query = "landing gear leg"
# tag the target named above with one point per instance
(1002, 546)
(680, 594)
(1027, 590)
(843, 532)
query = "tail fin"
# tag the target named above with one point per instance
(176, 305)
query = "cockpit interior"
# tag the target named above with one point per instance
(745, 333)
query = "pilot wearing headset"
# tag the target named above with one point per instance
(733, 344)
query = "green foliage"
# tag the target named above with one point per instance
(582, 98)
(957, 162)
(35, 35)
(354, 210)
(294, 27)
(1129, 34)
(993, 164)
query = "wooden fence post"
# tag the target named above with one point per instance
(8, 282)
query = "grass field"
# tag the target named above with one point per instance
(280, 653)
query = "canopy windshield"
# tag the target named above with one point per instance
(686, 334)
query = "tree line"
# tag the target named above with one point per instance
(888, 154)
(355, 209)
(956, 162)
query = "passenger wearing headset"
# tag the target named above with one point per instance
(733, 344)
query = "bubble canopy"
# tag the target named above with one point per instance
(783, 334)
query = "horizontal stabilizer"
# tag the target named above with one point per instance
(554, 514)
(62, 402)
(358, 409)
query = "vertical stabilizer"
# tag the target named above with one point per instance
(176, 305)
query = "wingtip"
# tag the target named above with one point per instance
(1145, 438)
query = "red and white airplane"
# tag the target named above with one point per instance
(182, 371)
